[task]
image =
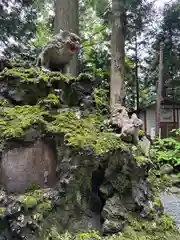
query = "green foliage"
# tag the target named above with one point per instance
(95, 54)
(44, 27)
(168, 31)
(17, 26)
(102, 100)
(43, 35)
(24, 27)
(167, 150)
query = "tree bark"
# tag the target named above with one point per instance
(159, 89)
(67, 18)
(117, 52)
(136, 73)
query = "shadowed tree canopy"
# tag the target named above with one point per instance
(17, 25)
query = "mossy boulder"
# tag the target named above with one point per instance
(21, 86)
(76, 202)
(28, 202)
(100, 179)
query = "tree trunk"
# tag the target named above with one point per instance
(117, 52)
(67, 18)
(159, 89)
(136, 73)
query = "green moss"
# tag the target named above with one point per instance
(121, 183)
(141, 133)
(54, 234)
(138, 231)
(143, 230)
(2, 210)
(33, 187)
(168, 223)
(158, 202)
(88, 235)
(4, 103)
(28, 202)
(81, 133)
(16, 120)
(29, 85)
(38, 194)
(37, 202)
(160, 183)
(35, 197)
(140, 158)
(138, 155)
(85, 132)
(44, 208)
(32, 75)
(38, 217)
(135, 229)
(52, 101)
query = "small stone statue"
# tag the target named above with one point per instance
(128, 126)
(56, 55)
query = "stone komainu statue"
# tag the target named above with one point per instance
(58, 52)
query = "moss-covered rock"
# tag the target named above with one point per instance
(99, 176)
(28, 202)
(45, 115)
(159, 182)
(22, 86)
(15, 121)
(83, 133)
(137, 229)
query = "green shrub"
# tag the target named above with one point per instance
(167, 150)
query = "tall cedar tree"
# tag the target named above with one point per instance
(67, 18)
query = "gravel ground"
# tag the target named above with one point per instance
(171, 204)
